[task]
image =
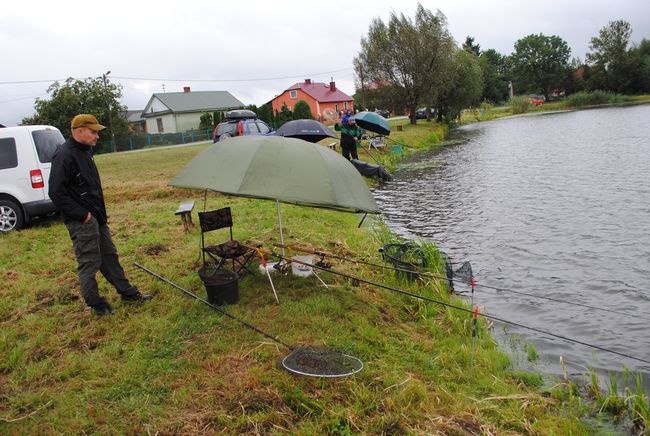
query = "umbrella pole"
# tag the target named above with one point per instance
(280, 222)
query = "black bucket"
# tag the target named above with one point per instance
(221, 285)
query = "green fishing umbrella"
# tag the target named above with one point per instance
(287, 170)
(372, 121)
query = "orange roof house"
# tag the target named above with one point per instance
(325, 101)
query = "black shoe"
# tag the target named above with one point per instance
(102, 309)
(137, 297)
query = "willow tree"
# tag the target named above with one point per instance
(412, 57)
(465, 88)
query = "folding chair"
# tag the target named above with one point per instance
(229, 250)
(376, 141)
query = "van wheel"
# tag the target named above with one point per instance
(11, 216)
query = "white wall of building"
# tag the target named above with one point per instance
(168, 124)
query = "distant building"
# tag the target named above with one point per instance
(137, 124)
(325, 100)
(173, 112)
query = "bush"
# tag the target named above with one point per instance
(519, 104)
(581, 99)
(301, 111)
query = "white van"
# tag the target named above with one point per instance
(25, 160)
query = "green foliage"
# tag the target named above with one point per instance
(638, 403)
(470, 47)
(609, 57)
(528, 378)
(540, 63)
(412, 57)
(284, 115)
(582, 99)
(465, 87)
(205, 122)
(496, 76)
(73, 97)
(217, 117)
(519, 104)
(301, 111)
(265, 113)
(531, 352)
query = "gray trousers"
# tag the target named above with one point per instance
(95, 251)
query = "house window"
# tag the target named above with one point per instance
(336, 108)
(293, 94)
(160, 125)
(345, 105)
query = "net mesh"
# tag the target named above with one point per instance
(321, 362)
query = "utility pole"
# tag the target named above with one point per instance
(110, 118)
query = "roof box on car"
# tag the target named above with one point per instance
(240, 114)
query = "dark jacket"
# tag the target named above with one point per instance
(347, 135)
(75, 187)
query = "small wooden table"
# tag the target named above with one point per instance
(185, 211)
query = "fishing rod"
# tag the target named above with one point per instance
(302, 360)
(428, 274)
(442, 303)
(217, 308)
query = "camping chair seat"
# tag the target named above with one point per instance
(230, 250)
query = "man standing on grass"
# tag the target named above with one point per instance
(76, 190)
(350, 136)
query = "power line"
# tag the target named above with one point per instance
(19, 82)
(231, 80)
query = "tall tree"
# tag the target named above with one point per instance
(465, 87)
(470, 47)
(496, 75)
(540, 63)
(411, 56)
(81, 96)
(640, 58)
(609, 57)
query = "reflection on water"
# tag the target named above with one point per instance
(555, 205)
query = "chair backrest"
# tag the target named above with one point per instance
(215, 219)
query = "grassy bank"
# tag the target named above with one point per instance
(173, 365)
(581, 100)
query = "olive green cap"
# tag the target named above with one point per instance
(86, 120)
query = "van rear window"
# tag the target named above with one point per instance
(47, 142)
(8, 155)
(229, 128)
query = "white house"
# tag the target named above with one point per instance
(173, 112)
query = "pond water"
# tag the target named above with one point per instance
(554, 205)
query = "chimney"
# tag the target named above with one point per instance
(332, 86)
(307, 81)
(186, 89)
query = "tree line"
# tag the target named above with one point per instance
(407, 63)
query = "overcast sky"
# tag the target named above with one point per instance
(254, 49)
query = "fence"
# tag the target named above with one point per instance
(138, 141)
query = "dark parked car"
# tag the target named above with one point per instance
(421, 113)
(383, 112)
(239, 123)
